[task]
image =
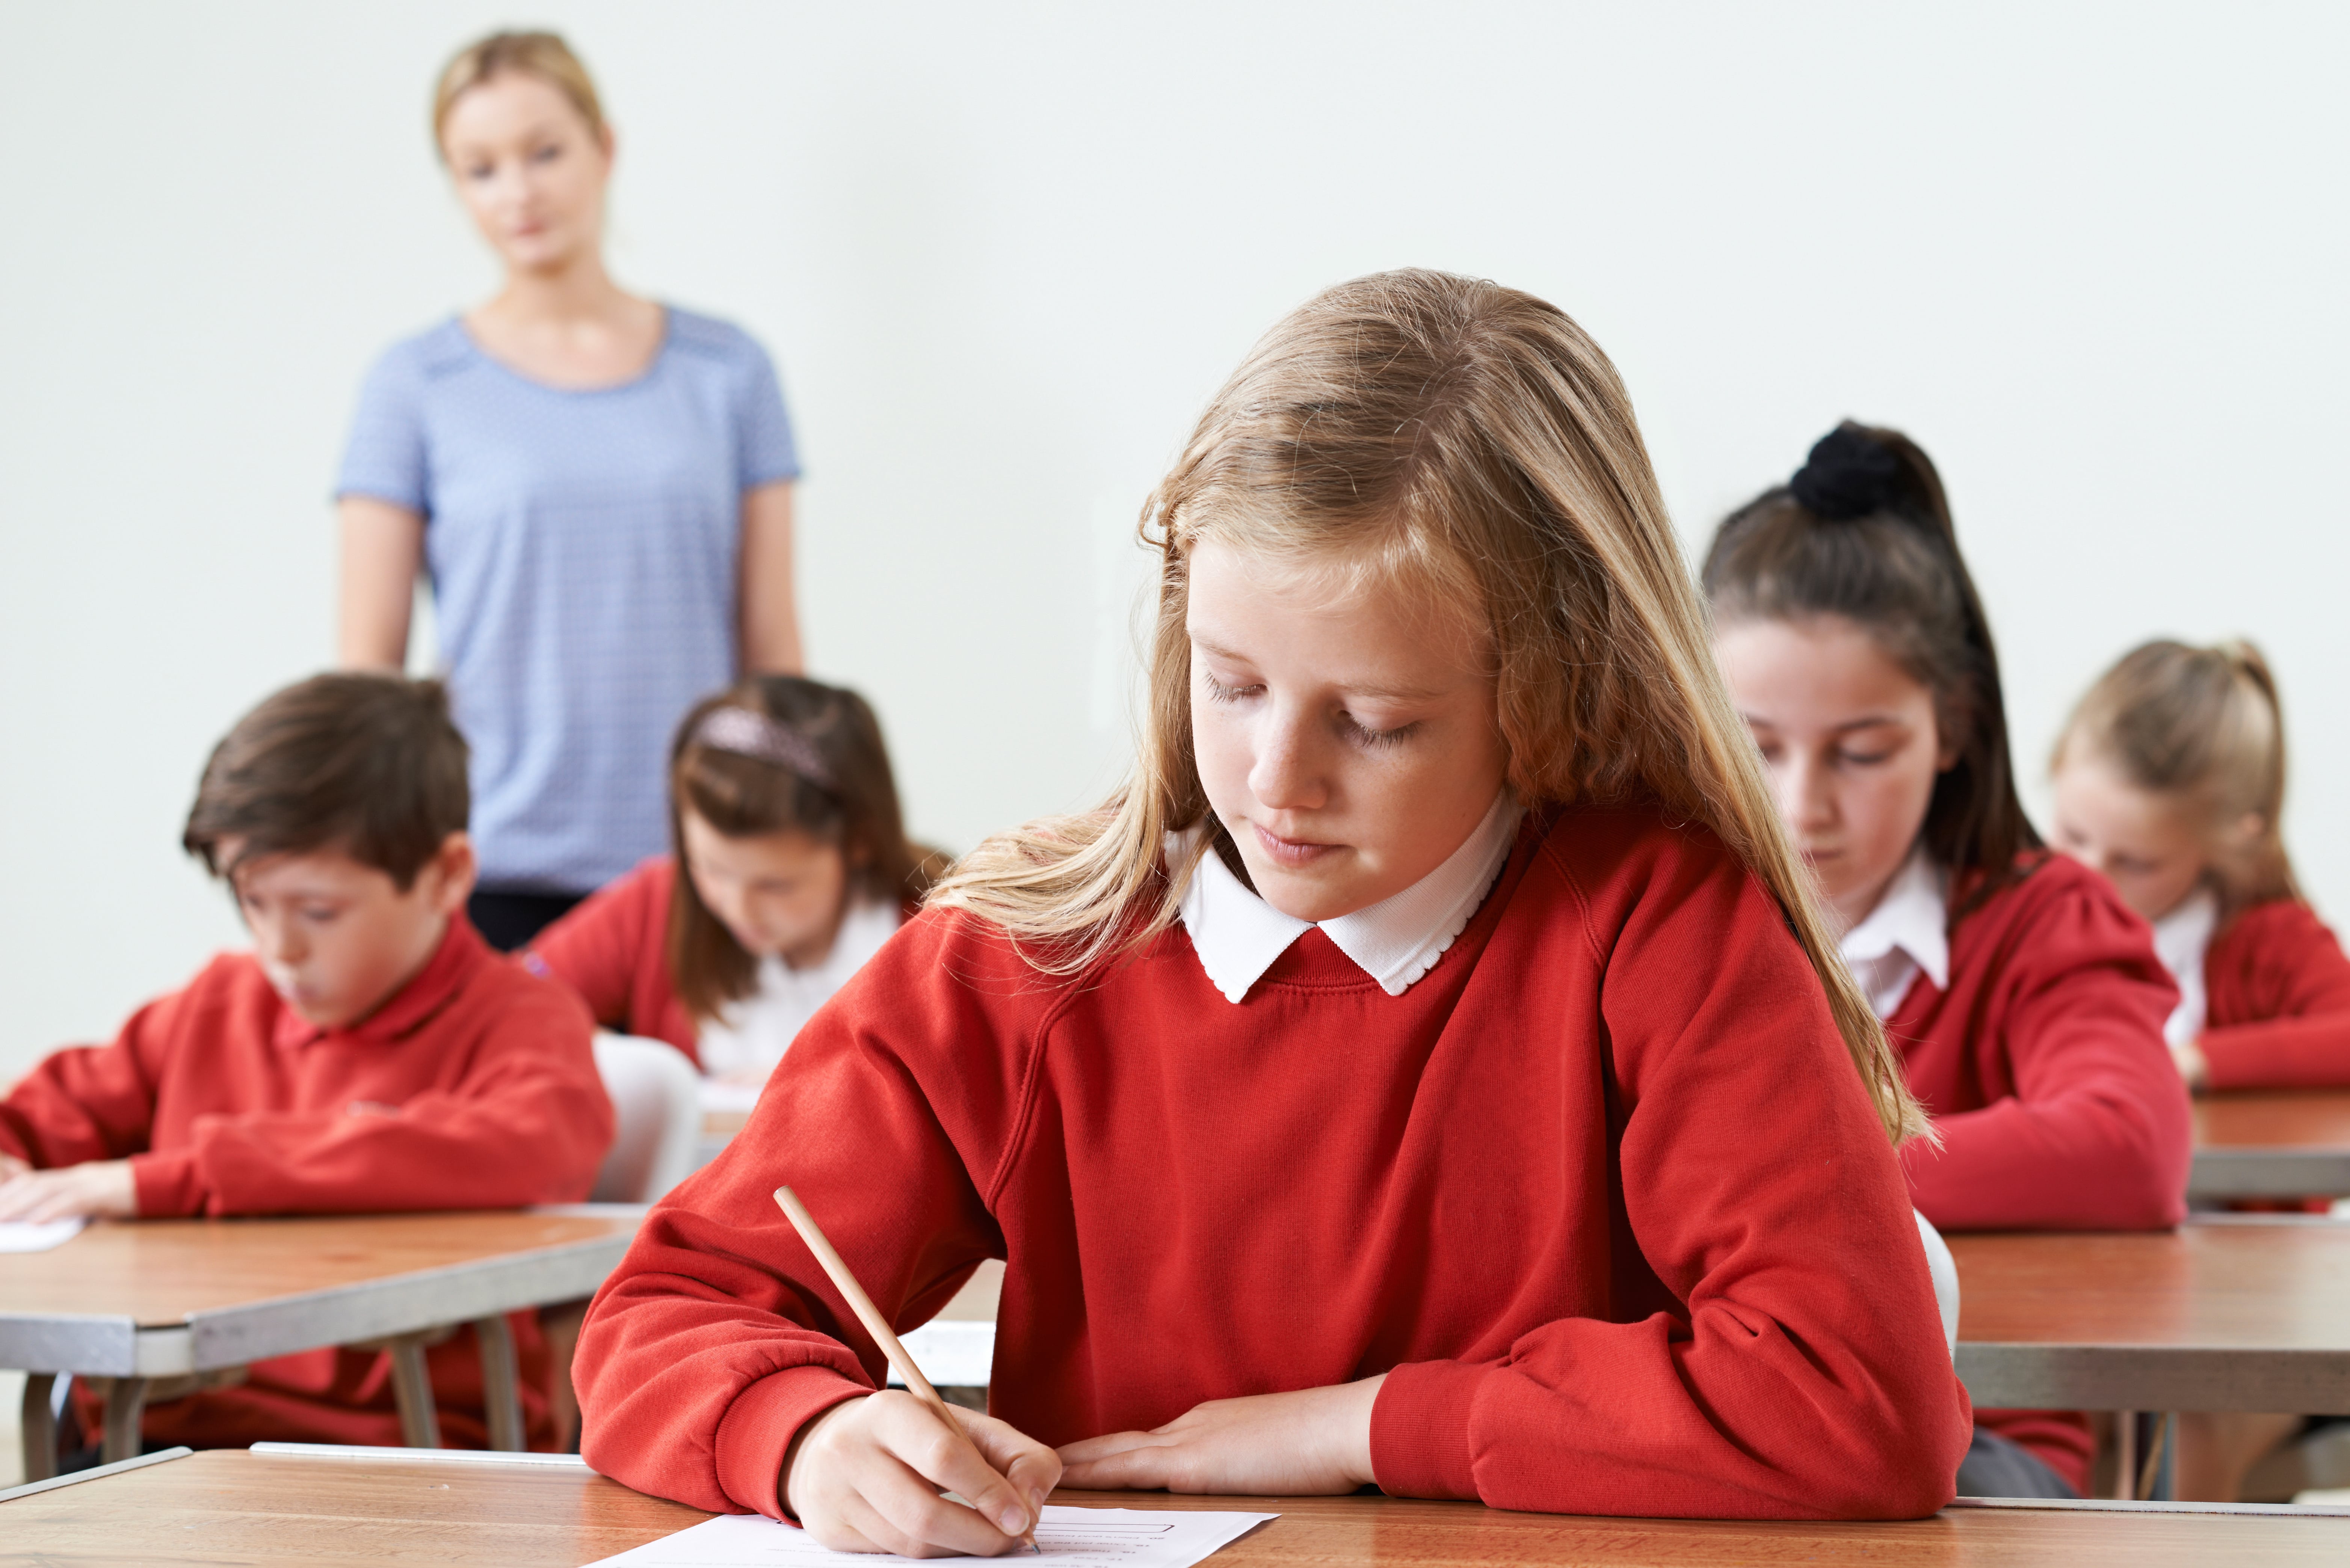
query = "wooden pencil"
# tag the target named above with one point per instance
(871, 1316)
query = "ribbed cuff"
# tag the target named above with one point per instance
(1420, 1429)
(758, 1430)
(167, 1185)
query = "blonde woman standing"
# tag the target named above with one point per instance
(597, 487)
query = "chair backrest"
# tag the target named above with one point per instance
(657, 1118)
(1945, 1270)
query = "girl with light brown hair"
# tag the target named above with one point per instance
(2170, 780)
(1430, 1069)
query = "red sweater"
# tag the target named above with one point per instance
(2044, 1068)
(613, 950)
(2278, 1008)
(1602, 1194)
(473, 1087)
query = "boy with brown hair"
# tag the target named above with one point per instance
(370, 1053)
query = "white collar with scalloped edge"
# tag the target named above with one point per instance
(1395, 941)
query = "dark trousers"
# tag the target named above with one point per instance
(508, 918)
(2000, 1467)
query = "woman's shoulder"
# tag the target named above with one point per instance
(439, 349)
(713, 339)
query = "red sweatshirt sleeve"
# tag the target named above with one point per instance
(527, 1121)
(720, 1332)
(612, 951)
(1807, 1375)
(2280, 1002)
(2095, 1135)
(91, 1102)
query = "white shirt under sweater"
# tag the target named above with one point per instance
(1395, 941)
(754, 1032)
(1906, 935)
(2181, 938)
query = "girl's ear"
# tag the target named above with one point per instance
(2243, 833)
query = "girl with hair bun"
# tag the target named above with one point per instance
(789, 868)
(2170, 780)
(2023, 996)
(1430, 1069)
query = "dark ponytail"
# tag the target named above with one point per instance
(1862, 531)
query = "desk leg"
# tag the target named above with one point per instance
(40, 1426)
(501, 1384)
(412, 1387)
(125, 1402)
(2125, 1455)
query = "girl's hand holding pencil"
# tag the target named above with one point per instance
(867, 1475)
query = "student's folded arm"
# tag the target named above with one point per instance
(2300, 1038)
(2306, 1053)
(1793, 1364)
(91, 1102)
(527, 1122)
(2096, 1135)
(719, 1336)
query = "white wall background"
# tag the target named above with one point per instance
(2092, 256)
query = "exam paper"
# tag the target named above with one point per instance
(22, 1236)
(1073, 1537)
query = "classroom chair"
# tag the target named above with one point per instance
(656, 1116)
(1945, 1270)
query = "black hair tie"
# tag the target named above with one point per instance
(1847, 475)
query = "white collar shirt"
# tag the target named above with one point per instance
(1906, 935)
(1395, 941)
(2181, 938)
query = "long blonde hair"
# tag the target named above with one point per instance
(2204, 725)
(1471, 443)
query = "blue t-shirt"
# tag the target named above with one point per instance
(583, 548)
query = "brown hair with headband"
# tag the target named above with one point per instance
(2203, 726)
(542, 55)
(782, 754)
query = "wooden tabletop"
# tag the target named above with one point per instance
(232, 1291)
(2242, 1312)
(230, 1506)
(2273, 1144)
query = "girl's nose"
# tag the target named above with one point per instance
(1805, 799)
(1288, 775)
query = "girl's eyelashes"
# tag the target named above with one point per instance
(1364, 735)
(1220, 692)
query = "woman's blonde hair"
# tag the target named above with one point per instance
(1470, 443)
(542, 55)
(2202, 724)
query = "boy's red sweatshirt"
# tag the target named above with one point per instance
(613, 950)
(1602, 1194)
(473, 1087)
(2278, 1010)
(2044, 1068)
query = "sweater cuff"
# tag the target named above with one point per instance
(1420, 1429)
(167, 1185)
(758, 1430)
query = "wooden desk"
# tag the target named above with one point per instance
(144, 1300)
(2272, 1144)
(234, 1506)
(2234, 1312)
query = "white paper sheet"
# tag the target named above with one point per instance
(1072, 1537)
(19, 1236)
